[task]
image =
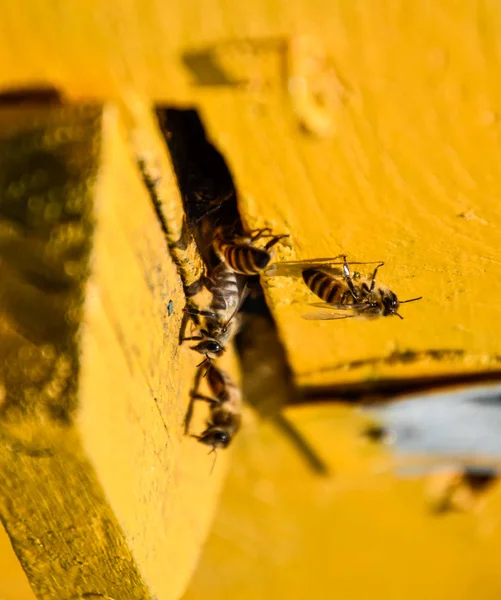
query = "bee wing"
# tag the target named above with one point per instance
(295, 268)
(335, 261)
(344, 307)
(331, 312)
(326, 316)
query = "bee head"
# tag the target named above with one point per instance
(211, 348)
(215, 437)
(390, 304)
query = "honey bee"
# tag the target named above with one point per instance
(240, 252)
(222, 320)
(225, 409)
(345, 294)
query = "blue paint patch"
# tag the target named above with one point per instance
(170, 308)
(460, 427)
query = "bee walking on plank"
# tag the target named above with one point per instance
(241, 254)
(345, 294)
(222, 320)
(225, 409)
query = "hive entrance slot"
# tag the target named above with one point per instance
(210, 201)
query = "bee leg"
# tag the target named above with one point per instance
(193, 392)
(373, 279)
(196, 396)
(182, 329)
(197, 311)
(188, 416)
(255, 234)
(347, 277)
(189, 413)
(193, 338)
(275, 239)
(205, 360)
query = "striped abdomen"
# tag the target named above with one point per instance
(223, 286)
(245, 259)
(328, 287)
(223, 387)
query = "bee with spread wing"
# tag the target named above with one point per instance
(344, 294)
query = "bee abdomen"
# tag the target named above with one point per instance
(222, 385)
(246, 260)
(326, 287)
(225, 297)
(223, 285)
(220, 302)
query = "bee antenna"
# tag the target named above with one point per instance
(411, 300)
(206, 359)
(215, 458)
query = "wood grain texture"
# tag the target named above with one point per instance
(402, 167)
(406, 171)
(97, 475)
(408, 177)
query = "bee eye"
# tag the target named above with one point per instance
(213, 347)
(221, 437)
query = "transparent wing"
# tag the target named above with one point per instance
(344, 307)
(331, 312)
(327, 316)
(295, 268)
(335, 261)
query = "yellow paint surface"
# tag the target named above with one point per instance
(137, 379)
(97, 476)
(284, 532)
(14, 583)
(410, 177)
(407, 173)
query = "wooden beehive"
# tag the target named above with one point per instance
(366, 128)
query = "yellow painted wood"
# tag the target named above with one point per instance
(96, 473)
(404, 171)
(400, 166)
(284, 532)
(408, 177)
(13, 583)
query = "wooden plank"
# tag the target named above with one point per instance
(14, 583)
(407, 176)
(400, 166)
(97, 475)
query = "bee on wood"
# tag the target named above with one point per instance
(225, 409)
(345, 294)
(240, 252)
(221, 321)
